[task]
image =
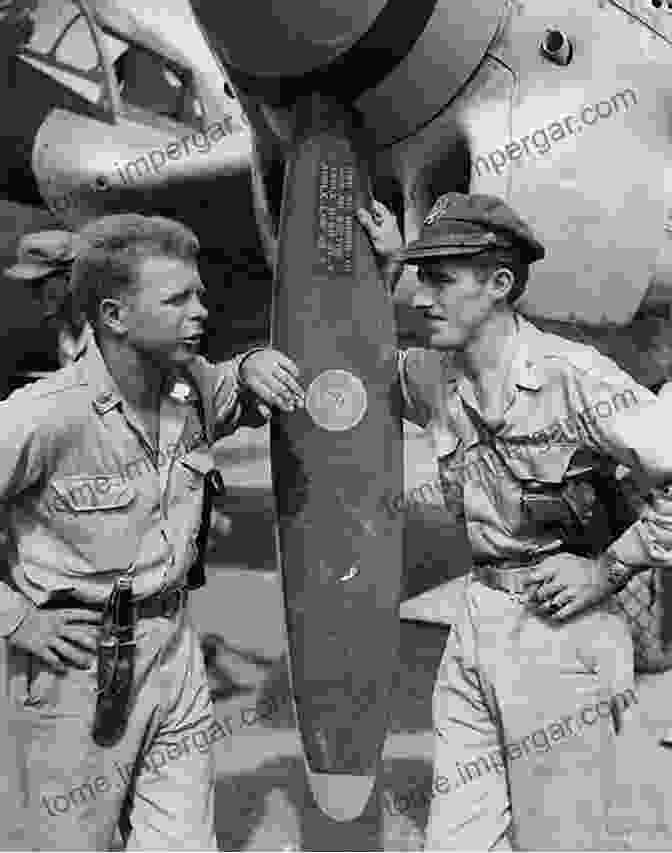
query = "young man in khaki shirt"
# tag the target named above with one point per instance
(103, 467)
(536, 681)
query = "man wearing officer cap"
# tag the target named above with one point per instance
(44, 261)
(533, 690)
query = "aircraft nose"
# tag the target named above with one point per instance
(399, 62)
(267, 37)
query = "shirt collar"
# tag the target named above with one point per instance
(526, 372)
(106, 393)
(82, 342)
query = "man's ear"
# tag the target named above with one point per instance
(112, 313)
(501, 283)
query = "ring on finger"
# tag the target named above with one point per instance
(555, 592)
(560, 599)
(538, 591)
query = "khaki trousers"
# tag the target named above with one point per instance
(527, 718)
(158, 781)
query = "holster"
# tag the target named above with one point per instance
(589, 509)
(213, 485)
(116, 666)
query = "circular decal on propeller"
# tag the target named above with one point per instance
(336, 400)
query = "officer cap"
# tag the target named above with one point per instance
(461, 225)
(44, 253)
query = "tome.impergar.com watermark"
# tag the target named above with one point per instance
(454, 476)
(162, 754)
(152, 161)
(541, 740)
(91, 491)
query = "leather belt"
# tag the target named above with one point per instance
(166, 603)
(507, 579)
(510, 575)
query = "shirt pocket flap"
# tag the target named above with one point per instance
(444, 443)
(544, 464)
(91, 494)
(199, 461)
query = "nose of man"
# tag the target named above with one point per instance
(422, 297)
(198, 311)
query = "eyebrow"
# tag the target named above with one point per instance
(436, 275)
(199, 287)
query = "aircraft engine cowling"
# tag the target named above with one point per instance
(399, 63)
(520, 100)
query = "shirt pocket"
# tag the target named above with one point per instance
(196, 465)
(94, 515)
(545, 463)
(557, 495)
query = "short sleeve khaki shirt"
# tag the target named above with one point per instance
(567, 397)
(85, 495)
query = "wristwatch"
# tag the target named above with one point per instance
(618, 573)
